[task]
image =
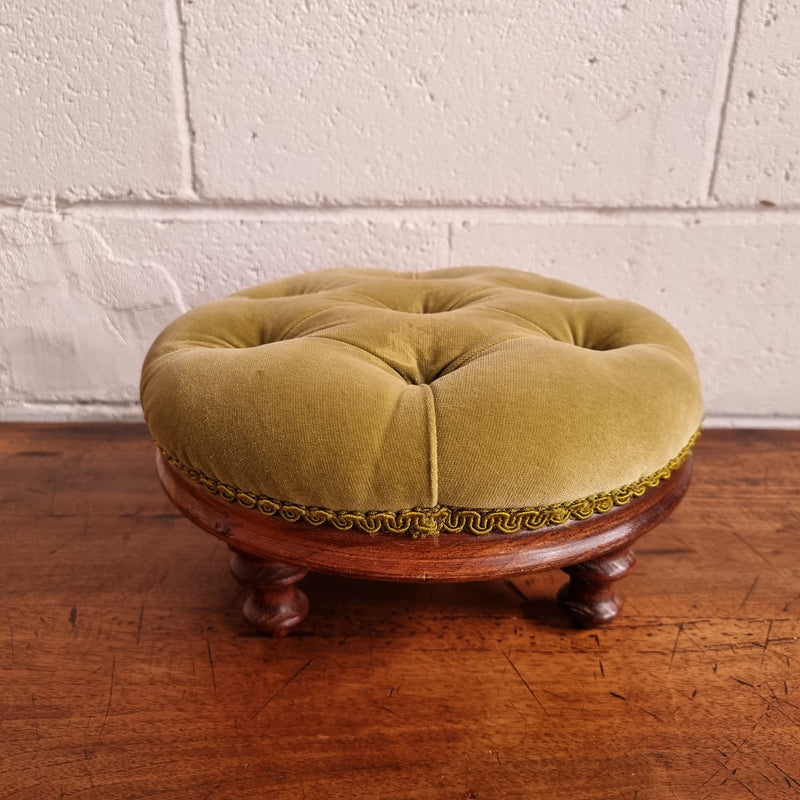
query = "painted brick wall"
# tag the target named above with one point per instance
(158, 154)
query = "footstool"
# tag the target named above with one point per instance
(456, 425)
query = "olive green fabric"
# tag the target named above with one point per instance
(369, 390)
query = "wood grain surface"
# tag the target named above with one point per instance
(126, 670)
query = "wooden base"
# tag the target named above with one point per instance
(594, 552)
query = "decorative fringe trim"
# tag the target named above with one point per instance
(422, 522)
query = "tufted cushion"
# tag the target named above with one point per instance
(466, 398)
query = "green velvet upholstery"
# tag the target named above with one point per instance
(351, 391)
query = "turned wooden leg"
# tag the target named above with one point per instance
(589, 599)
(275, 605)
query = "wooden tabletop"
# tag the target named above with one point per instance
(126, 670)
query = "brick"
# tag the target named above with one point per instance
(75, 320)
(731, 287)
(759, 157)
(480, 102)
(84, 298)
(211, 259)
(87, 102)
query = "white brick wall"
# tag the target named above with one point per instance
(156, 155)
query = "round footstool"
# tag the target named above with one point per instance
(461, 424)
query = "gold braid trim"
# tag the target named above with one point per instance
(421, 522)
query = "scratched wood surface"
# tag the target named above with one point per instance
(126, 670)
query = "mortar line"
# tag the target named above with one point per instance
(211, 211)
(214, 209)
(176, 32)
(450, 234)
(734, 27)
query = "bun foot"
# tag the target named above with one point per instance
(589, 599)
(275, 604)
